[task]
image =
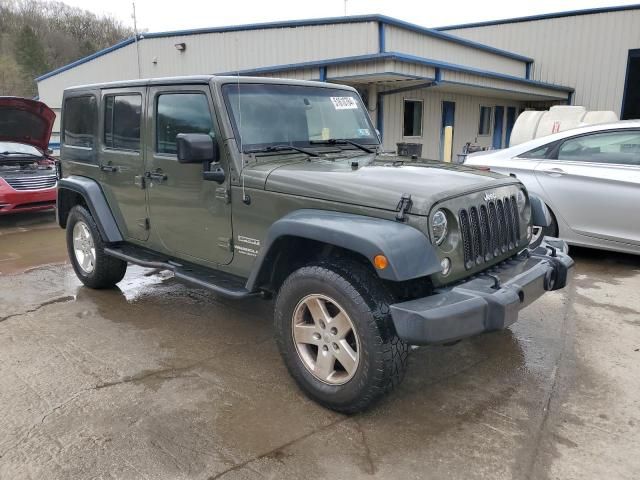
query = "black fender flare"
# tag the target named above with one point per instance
(96, 202)
(410, 253)
(540, 215)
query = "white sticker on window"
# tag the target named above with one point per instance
(363, 132)
(344, 103)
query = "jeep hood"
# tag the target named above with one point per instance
(25, 121)
(381, 183)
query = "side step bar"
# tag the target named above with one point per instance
(225, 284)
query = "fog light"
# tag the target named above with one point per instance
(380, 262)
(446, 266)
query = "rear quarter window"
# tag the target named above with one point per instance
(80, 122)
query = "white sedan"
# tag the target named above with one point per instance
(589, 177)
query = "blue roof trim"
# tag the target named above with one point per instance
(381, 19)
(402, 58)
(99, 53)
(545, 16)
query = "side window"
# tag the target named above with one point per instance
(80, 115)
(540, 152)
(484, 127)
(122, 122)
(180, 113)
(607, 147)
(412, 126)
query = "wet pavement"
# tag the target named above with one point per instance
(155, 380)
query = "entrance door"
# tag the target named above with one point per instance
(190, 217)
(511, 120)
(446, 130)
(122, 160)
(497, 127)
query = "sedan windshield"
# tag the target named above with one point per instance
(12, 148)
(265, 115)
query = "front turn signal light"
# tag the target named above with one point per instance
(381, 262)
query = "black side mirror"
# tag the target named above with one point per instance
(201, 148)
(196, 148)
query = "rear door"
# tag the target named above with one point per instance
(190, 217)
(122, 158)
(593, 181)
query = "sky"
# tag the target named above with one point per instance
(163, 15)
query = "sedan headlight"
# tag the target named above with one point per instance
(439, 227)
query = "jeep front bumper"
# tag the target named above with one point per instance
(488, 301)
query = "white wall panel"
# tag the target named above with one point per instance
(413, 43)
(587, 52)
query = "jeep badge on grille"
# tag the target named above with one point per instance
(490, 197)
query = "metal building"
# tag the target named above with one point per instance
(416, 81)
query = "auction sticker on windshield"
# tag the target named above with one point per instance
(344, 103)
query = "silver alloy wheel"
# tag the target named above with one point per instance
(83, 247)
(326, 339)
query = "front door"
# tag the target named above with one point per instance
(190, 217)
(122, 159)
(446, 130)
(593, 182)
(497, 127)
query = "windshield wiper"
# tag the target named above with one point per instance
(26, 154)
(280, 148)
(342, 141)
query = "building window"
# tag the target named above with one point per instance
(412, 126)
(484, 127)
(80, 115)
(180, 113)
(122, 122)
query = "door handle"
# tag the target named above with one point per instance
(554, 172)
(157, 176)
(108, 168)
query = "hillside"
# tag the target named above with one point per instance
(38, 36)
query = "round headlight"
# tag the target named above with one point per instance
(439, 227)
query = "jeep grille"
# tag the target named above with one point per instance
(489, 230)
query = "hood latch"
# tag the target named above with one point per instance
(404, 206)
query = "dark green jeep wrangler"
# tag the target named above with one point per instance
(253, 186)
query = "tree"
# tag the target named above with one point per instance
(29, 52)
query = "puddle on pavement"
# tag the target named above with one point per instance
(30, 240)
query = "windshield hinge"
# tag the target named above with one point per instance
(404, 206)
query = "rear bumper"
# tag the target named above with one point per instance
(489, 301)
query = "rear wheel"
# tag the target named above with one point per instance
(335, 334)
(86, 251)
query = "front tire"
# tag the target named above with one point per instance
(93, 267)
(335, 334)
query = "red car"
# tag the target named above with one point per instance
(27, 172)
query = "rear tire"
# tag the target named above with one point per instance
(327, 315)
(93, 267)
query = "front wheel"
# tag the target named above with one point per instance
(93, 267)
(335, 334)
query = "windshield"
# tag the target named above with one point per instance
(13, 147)
(266, 115)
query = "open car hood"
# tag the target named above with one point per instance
(25, 121)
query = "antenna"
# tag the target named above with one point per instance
(245, 198)
(135, 31)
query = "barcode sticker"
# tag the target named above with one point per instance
(344, 103)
